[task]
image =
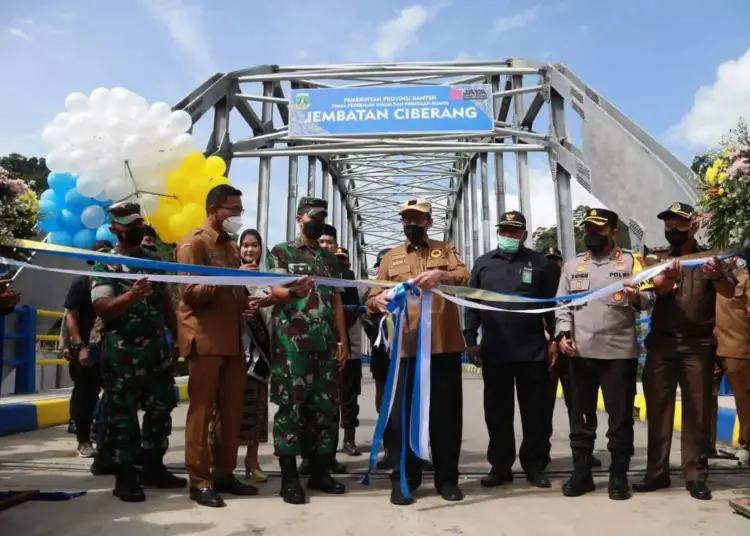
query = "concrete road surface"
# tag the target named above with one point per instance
(45, 460)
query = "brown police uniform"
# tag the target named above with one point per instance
(402, 263)
(732, 334)
(210, 336)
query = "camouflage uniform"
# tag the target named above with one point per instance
(304, 377)
(137, 369)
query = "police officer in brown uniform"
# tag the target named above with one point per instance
(601, 343)
(680, 351)
(427, 263)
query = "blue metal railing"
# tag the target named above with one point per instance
(23, 360)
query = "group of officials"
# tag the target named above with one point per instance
(588, 347)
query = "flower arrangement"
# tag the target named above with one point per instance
(19, 208)
(725, 187)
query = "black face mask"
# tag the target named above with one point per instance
(132, 237)
(595, 243)
(313, 229)
(415, 233)
(676, 238)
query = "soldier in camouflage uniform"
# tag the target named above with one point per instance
(309, 337)
(136, 364)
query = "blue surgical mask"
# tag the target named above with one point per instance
(507, 245)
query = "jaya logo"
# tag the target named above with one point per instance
(302, 102)
(469, 94)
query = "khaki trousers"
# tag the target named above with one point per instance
(738, 374)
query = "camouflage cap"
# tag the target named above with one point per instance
(125, 212)
(312, 206)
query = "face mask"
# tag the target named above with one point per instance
(595, 243)
(676, 238)
(232, 224)
(507, 245)
(313, 229)
(132, 237)
(415, 233)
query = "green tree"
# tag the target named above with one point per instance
(546, 237)
(32, 170)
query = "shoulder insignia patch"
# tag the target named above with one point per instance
(436, 253)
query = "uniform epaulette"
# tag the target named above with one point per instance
(659, 249)
(581, 254)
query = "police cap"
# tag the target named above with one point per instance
(682, 210)
(342, 253)
(553, 253)
(512, 218)
(601, 217)
(381, 254)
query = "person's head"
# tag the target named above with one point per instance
(126, 223)
(328, 240)
(311, 217)
(101, 246)
(251, 246)
(380, 256)
(149, 238)
(554, 256)
(599, 229)
(680, 224)
(511, 231)
(342, 254)
(416, 219)
(224, 208)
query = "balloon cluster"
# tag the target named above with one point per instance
(184, 207)
(71, 218)
(117, 144)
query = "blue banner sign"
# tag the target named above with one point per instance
(391, 110)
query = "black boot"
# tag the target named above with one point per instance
(385, 463)
(397, 497)
(304, 466)
(320, 477)
(291, 489)
(156, 475)
(618, 488)
(581, 481)
(350, 446)
(127, 488)
(103, 464)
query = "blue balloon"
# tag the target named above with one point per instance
(70, 221)
(48, 209)
(61, 182)
(48, 224)
(103, 233)
(76, 201)
(93, 216)
(48, 195)
(60, 238)
(84, 239)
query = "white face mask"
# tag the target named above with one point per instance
(232, 224)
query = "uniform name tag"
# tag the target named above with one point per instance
(579, 276)
(527, 275)
(300, 269)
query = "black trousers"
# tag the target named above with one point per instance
(617, 378)
(351, 388)
(446, 419)
(532, 385)
(87, 384)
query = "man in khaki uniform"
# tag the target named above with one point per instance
(427, 263)
(600, 339)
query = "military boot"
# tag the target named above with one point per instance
(291, 489)
(350, 446)
(304, 466)
(127, 488)
(156, 475)
(618, 488)
(320, 477)
(581, 481)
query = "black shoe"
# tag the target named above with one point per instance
(304, 466)
(649, 484)
(385, 463)
(207, 497)
(72, 427)
(698, 490)
(231, 486)
(291, 489)
(497, 478)
(100, 467)
(618, 487)
(397, 497)
(428, 467)
(321, 480)
(596, 463)
(126, 487)
(158, 476)
(538, 479)
(350, 445)
(451, 492)
(581, 481)
(336, 467)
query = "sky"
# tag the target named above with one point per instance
(683, 80)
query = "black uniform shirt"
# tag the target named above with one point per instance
(79, 299)
(512, 336)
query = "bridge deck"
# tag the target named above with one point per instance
(44, 459)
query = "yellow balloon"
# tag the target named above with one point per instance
(176, 183)
(179, 225)
(194, 165)
(220, 179)
(215, 166)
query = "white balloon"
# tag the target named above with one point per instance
(89, 186)
(62, 119)
(160, 110)
(119, 189)
(182, 145)
(149, 203)
(132, 147)
(179, 121)
(102, 197)
(57, 162)
(77, 102)
(52, 135)
(79, 160)
(100, 98)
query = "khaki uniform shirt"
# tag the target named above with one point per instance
(603, 328)
(210, 316)
(405, 262)
(732, 329)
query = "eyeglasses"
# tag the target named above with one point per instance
(417, 220)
